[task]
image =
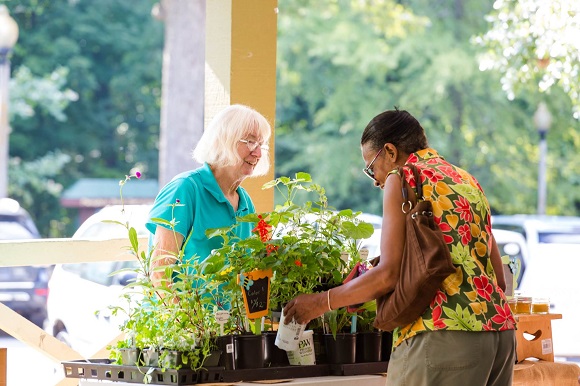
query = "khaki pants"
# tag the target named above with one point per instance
(454, 358)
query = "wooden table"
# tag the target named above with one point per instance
(537, 341)
(366, 380)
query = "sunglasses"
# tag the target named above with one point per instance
(369, 169)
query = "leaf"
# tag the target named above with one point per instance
(270, 184)
(133, 238)
(303, 177)
(161, 221)
(362, 230)
(452, 282)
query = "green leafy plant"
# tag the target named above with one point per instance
(174, 316)
(306, 245)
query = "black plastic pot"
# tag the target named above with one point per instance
(341, 350)
(369, 346)
(273, 355)
(226, 344)
(387, 346)
(213, 359)
(249, 351)
(319, 348)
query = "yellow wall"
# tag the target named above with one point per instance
(241, 68)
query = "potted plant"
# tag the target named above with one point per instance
(340, 343)
(306, 245)
(369, 339)
(174, 320)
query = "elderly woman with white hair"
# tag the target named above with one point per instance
(232, 148)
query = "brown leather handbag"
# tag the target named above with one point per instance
(425, 264)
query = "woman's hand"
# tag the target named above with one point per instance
(304, 308)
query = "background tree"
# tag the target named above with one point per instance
(340, 62)
(339, 66)
(111, 53)
(534, 44)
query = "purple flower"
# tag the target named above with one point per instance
(177, 201)
(138, 174)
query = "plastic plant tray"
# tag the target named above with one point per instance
(106, 370)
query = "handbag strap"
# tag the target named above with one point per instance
(405, 191)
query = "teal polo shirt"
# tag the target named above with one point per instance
(204, 206)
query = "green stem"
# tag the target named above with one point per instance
(258, 326)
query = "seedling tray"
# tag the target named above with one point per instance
(106, 370)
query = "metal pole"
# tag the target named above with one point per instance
(542, 173)
(4, 125)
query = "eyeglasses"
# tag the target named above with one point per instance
(253, 145)
(369, 169)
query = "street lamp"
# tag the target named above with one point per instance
(543, 121)
(8, 37)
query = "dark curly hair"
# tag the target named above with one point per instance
(398, 127)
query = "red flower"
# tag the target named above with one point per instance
(437, 322)
(448, 239)
(432, 175)
(504, 317)
(488, 326)
(483, 287)
(465, 233)
(450, 172)
(412, 159)
(271, 248)
(463, 208)
(440, 298)
(488, 226)
(298, 263)
(263, 229)
(444, 227)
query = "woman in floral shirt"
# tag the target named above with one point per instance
(466, 336)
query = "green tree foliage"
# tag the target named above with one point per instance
(110, 52)
(36, 186)
(47, 93)
(340, 64)
(534, 43)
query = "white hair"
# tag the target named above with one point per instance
(219, 142)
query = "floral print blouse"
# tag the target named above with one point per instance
(469, 299)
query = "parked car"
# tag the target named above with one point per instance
(541, 229)
(81, 293)
(15, 222)
(23, 289)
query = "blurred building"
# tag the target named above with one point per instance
(88, 195)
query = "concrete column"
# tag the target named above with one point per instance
(183, 88)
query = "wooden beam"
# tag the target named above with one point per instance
(241, 68)
(55, 251)
(3, 364)
(35, 337)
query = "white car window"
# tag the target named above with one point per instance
(95, 272)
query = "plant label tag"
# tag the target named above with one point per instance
(546, 346)
(229, 348)
(222, 316)
(364, 254)
(344, 256)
